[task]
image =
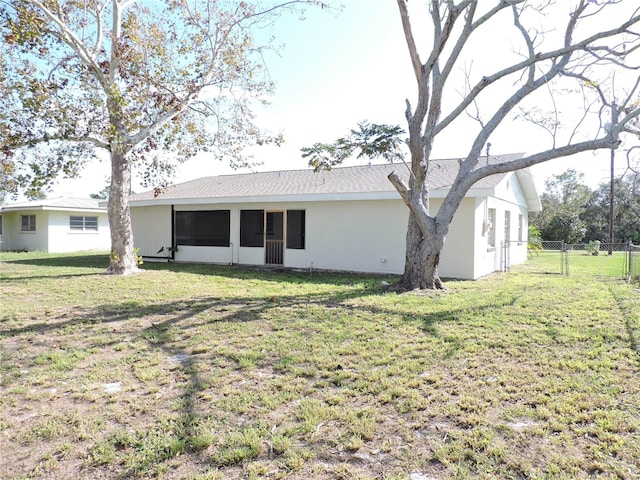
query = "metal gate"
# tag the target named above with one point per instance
(505, 256)
(274, 252)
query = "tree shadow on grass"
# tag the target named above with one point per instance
(240, 309)
(240, 272)
(258, 310)
(165, 323)
(253, 272)
(184, 318)
(89, 260)
(27, 279)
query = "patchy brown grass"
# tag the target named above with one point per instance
(203, 372)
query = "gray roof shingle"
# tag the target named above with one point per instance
(342, 180)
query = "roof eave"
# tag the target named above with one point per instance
(530, 190)
(54, 209)
(303, 197)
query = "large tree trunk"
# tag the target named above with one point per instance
(124, 260)
(421, 259)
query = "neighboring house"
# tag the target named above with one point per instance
(349, 218)
(55, 225)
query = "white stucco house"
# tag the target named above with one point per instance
(56, 225)
(349, 219)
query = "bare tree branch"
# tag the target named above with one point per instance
(538, 58)
(411, 43)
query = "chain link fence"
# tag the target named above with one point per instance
(596, 258)
(634, 264)
(619, 260)
(546, 258)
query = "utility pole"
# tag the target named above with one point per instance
(611, 193)
(614, 121)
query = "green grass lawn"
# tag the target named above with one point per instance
(206, 372)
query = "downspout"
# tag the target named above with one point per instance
(173, 233)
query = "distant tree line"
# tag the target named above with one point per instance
(573, 212)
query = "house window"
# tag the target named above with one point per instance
(491, 228)
(28, 223)
(520, 228)
(203, 228)
(295, 229)
(507, 225)
(83, 223)
(252, 228)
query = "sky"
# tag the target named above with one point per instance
(336, 69)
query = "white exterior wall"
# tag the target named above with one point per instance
(151, 229)
(519, 248)
(365, 236)
(63, 239)
(487, 258)
(456, 259)
(508, 197)
(14, 239)
(352, 235)
(254, 256)
(8, 228)
(5, 240)
(511, 193)
(199, 254)
(53, 233)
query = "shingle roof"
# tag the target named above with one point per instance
(344, 180)
(58, 203)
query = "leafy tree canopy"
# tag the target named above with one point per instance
(369, 140)
(150, 82)
(574, 213)
(166, 80)
(566, 226)
(626, 220)
(102, 194)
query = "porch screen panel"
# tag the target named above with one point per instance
(295, 229)
(251, 228)
(183, 226)
(203, 228)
